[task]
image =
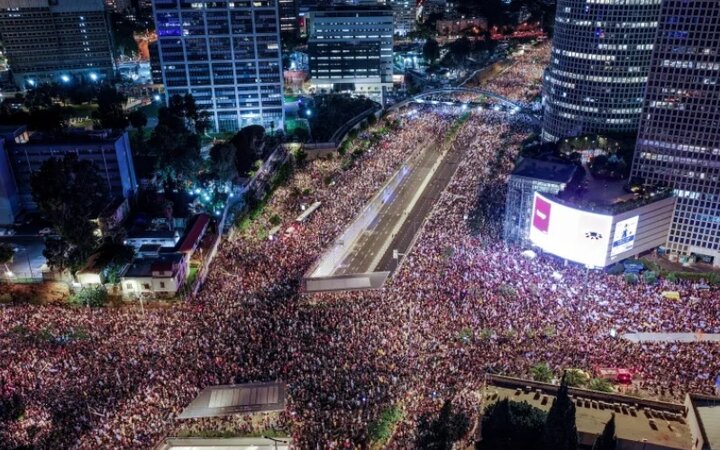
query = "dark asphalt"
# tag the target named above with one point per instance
(371, 242)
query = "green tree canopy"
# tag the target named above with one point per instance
(70, 193)
(6, 253)
(249, 143)
(222, 161)
(431, 50)
(110, 113)
(510, 425)
(607, 440)
(175, 140)
(441, 433)
(560, 431)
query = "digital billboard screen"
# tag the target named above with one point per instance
(624, 235)
(569, 233)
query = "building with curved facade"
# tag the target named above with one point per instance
(598, 70)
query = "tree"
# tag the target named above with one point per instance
(560, 431)
(607, 440)
(6, 253)
(95, 296)
(138, 119)
(175, 141)
(222, 161)
(541, 372)
(113, 256)
(441, 433)
(70, 193)
(249, 143)
(460, 49)
(431, 50)
(110, 113)
(510, 425)
(12, 406)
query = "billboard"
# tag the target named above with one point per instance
(624, 236)
(570, 233)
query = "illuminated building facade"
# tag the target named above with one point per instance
(53, 41)
(227, 55)
(679, 138)
(404, 12)
(599, 66)
(350, 50)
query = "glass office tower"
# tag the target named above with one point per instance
(679, 138)
(227, 55)
(598, 69)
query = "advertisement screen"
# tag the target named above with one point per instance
(569, 233)
(624, 236)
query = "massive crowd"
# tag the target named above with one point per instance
(116, 378)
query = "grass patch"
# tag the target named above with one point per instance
(383, 427)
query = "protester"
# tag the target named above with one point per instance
(461, 305)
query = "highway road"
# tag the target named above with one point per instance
(403, 213)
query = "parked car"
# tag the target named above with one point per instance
(7, 232)
(45, 231)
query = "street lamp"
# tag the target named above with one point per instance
(65, 78)
(93, 76)
(31, 82)
(156, 97)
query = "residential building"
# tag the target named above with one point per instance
(155, 277)
(227, 55)
(599, 67)
(52, 41)
(679, 138)
(108, 150)
(350, 50)
(404, 12)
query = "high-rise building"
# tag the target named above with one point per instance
(289, 17)
(679, 138)
(350, 50)
(404, 12)
(119, 5)
(227, 55)
(598, 68)
(55, 40)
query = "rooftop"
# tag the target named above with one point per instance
(707, 410)
(257, 443)
(662, 425)
(225, 400)
(194, 233)
(144, 267)
(72, 137)
(550, 169)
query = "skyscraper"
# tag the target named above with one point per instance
(289, 17)
(227, 55)
(49, 41)
(679, 137)
(404, 12)
(350, 49)
(598, 68)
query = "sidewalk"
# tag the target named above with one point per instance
(671, 337)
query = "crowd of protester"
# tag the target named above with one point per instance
(522, 80)
(460, 305)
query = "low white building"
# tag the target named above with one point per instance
(159, 277)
